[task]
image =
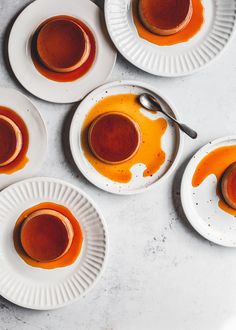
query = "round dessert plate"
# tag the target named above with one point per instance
(20, 54)
(200, 204)
(19, 103)
(176, 60)
(172, 141)
(45, 289)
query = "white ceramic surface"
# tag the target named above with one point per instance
(37, 134)
(44, 289)
(176, 60)
(171, 141)
(201, 204)
(20, 58)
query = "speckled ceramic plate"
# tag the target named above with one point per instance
(44, 289)
(180, 59)
(172, 141)
(20, 56)
(201, 204)
(37, 134)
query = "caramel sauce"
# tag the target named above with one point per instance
(183, 35)
(216, 162)
(64, 76)
(69, 257)
(150, 152)
(21, 160)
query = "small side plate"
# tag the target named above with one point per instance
(201, 204)
(37, 134)
(172, 141)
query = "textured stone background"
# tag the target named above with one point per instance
(160, 273)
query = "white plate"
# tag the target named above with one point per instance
(171, 141)
(37, 134)
(44, 289)
(20, 58)
(177, 60)
(201, 204)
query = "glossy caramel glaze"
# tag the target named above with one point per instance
(10, 141)
(21, 160)
(69, 257)
(46, 235)
(216, 162)
(75, 50)
(228, 186)
(192, 28)
(150, 152)
(64, 76)
(114, 137)
(165, 17)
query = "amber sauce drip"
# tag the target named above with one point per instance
(21, 159)
(150, 152)
(68, 76)
(216, 162)
(184, 35)
(68, 258)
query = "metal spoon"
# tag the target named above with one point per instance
(151, 103)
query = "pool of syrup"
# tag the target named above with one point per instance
(183, 35)
(150, 152)
(216, 162)
(21, 160)
(69, 257)
(64, 76)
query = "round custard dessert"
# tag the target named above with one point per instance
(228, 185)
(63, 45)
(46, 235)
(165, 17)
(10, 140)
(114, 137)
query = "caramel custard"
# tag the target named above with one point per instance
(63, 45)
(46, 235)
(165, 17)
(57, 236)
(184, 34)
(14, 141)
(10, 141)
(114, 137)
(149, 153)
(216, 162)
(63, 60)
(228, 186)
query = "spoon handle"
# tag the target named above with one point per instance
(186, 129)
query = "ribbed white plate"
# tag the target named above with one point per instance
(37, 134)
(177, 60)
(200, 204)
(20, 56)
(172, 141)
(44, 289)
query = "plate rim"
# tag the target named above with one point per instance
(105, 227)
(185, 182)
(142, 85)
(168, 75)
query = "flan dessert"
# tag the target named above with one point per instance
(11, 140)
(165, 17)
(114, 137)
(228, 186)
(63, 45)
(46, 235)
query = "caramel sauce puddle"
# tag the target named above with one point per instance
(21, 160)
(216, 162)
(184, 35)
(76, 245)
(150, 152)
